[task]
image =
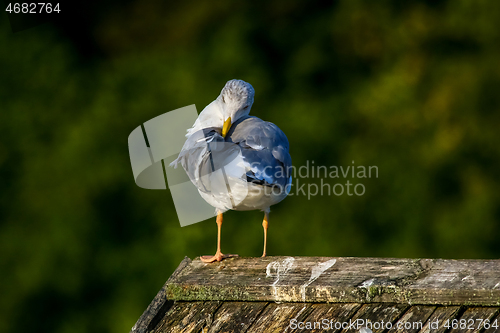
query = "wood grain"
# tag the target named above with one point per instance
(375, 316)
(436, 322)
(494, 325)
(335, 315)
(277, 317)
(345, 280)
(236, 316)
(188, 317)
(472, 320)
(413, 320)
(158, 306)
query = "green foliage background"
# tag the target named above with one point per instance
(411, 87)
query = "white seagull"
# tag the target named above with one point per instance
(236, 161)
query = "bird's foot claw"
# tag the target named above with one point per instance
(217, 257)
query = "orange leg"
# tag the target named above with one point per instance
(265, 224)
(218, 255)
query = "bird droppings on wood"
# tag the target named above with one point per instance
(362, 280)
(315, 273)
(270, 294)
(279, 269)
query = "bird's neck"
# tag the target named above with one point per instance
(210, 116)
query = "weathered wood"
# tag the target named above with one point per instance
(356, 280)
(211, 317)
(159, 306)
(277, 317)
(413, 320)
(462, 282)
(188, 317)
(236, 316)
(436, 321)
(472, 320)
(334, 314)
(376, 316)
(494, 325)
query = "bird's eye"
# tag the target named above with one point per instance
(246, 107)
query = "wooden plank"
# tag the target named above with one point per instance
(376, 317)
(328, 317)
(347, 280)
(494, 325)
(187, 317)
(472, 320)
(235, 316)
(459, 282)
(413, 320)
(277, 317)
(159, 306)
(436, 322)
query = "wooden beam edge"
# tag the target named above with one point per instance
(374, 294)
(159, 305)
(408, 293)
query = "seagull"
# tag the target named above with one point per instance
(236, 161)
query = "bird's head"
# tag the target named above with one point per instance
(237, 99)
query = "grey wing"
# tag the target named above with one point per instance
(264, 147)
(204, 152)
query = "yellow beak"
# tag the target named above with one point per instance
(226, 127)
